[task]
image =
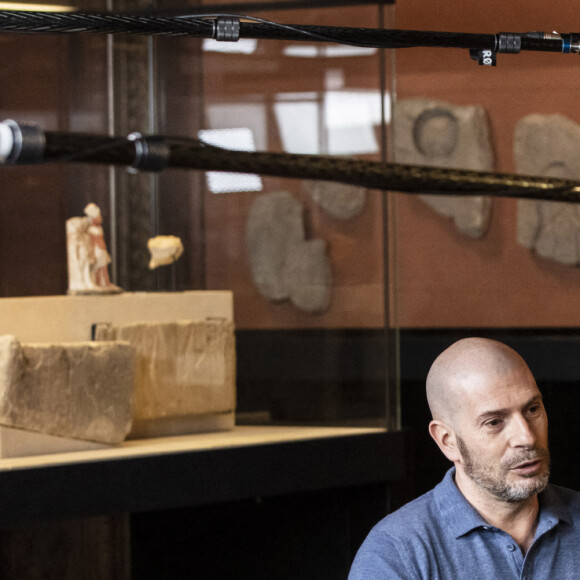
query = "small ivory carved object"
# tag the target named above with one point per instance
(164, 250)
(438, 134)
(88, 259)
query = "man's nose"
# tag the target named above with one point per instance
(522, 433)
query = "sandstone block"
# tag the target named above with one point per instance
(183, 369)
(76, 390)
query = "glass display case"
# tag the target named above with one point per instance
(307, 261)
(316, 455)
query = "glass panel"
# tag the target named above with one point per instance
(503, 264)
(306, 260)
(58, 82)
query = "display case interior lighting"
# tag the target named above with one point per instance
(242, 46)
(25, 7)
(236, 139)
(339, 122)
(327, 51)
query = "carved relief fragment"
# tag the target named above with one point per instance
(284, 264)
(438, 134)
(548, 145)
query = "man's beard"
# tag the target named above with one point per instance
(494, 480)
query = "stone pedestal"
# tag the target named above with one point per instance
(185, 374)
(60, 320)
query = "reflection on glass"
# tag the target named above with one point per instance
(241, 46)
(240, 139)
(349, 117)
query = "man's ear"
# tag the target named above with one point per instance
(445, 437)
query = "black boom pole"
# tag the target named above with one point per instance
(24, 144)
(232, 27)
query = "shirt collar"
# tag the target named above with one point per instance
(552, 509)
(456, 511)
(461, 517)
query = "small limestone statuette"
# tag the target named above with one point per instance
(88, 259)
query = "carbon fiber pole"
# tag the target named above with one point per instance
(194, 154)
(203, 27)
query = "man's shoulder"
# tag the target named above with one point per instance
(418, 514)
(404, 544)
(569, 497)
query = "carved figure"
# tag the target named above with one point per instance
(88, 259)
(164, 250)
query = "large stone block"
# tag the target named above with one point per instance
(76, 390)
(184, 369)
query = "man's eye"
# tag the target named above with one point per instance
(493, 423)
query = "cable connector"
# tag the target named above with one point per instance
(20, 143)
(226, 28)
(151, 153)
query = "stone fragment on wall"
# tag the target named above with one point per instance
(284, 264)
(308, 276)
(274, 227)
(183, 368)
(340, 200)
(439, 134)
(547, 145)
(75, 390)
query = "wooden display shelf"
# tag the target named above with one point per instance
(145, 475)
(241, 436)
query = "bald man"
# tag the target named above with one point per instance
(494, 515)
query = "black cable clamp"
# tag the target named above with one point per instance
(509, 42)
(28, 144)
(226, 29)
(151, 153)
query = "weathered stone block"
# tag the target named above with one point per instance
(76, 390)
(183, 369)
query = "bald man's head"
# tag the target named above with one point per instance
(463, 365)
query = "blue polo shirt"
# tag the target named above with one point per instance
(440, 536)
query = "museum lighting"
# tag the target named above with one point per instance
(243, 46)
(236, 139)
(21, 6)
